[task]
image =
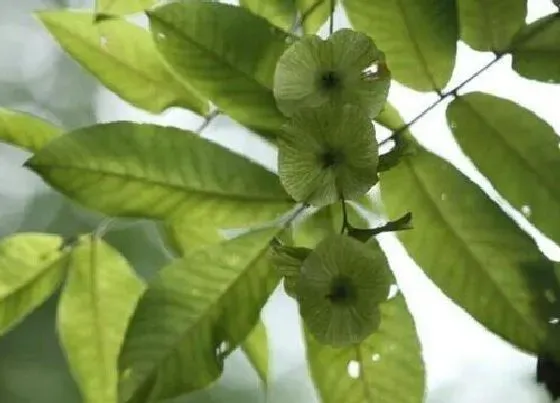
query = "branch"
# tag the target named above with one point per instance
(453, 92)
(305, 15)
(213, 115)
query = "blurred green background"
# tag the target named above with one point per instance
(465, 363)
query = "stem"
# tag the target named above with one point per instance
(213, 115)
(305, 15)
(295, 215)
(345, 223)
(442, 97)
(331, 22)
(453, 92)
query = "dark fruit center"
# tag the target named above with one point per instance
(331, 158)
(329, 80)
(342, 291)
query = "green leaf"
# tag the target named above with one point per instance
(25, 131)
(184, 236)
(194, 313)
(326, 153)
(124, 58)
(516, 150)
(365, 234)
(419, 37)
(131, 170)
(491, 24)
(347, 68)
(122, 7)
(31, 269)
(341, 285)
(467, 245)
(281, 13)
(96, 303)
(386, 367)
(228, 54)
(536, 50)
(255, 347)
(314, 14)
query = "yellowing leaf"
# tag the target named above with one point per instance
(124, 58)
(516, 150)
(418, 37)
(132, 170)
(96, 303)
(31, 268)
(194, 313)
(228, 54)
(25, 131)
(120, 7)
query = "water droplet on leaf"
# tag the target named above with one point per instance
(375, 357)
(554, 321)
(526, 210)
(354, 369)
(393, 291)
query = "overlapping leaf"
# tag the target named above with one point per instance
(255, 347)
(96, 303)
(31, 268)
(127, 169)
(228, 54)
(386, 367)
(25, 131)
(468, 246)
(121, 7)
(490, 25)
(536, 50)
(516, 150)
(124, 58)
(194, 313)
(313, 13)
(417, 36)
(366, 372)
(281, 13)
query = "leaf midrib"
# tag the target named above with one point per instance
(522, 161)
(463, 242)
(210, 309)
(416, 45)
(97, 320)
(110, 55)
(201, 46)
(171, 186)
(44, 270)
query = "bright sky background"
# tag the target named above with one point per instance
(465, 363)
